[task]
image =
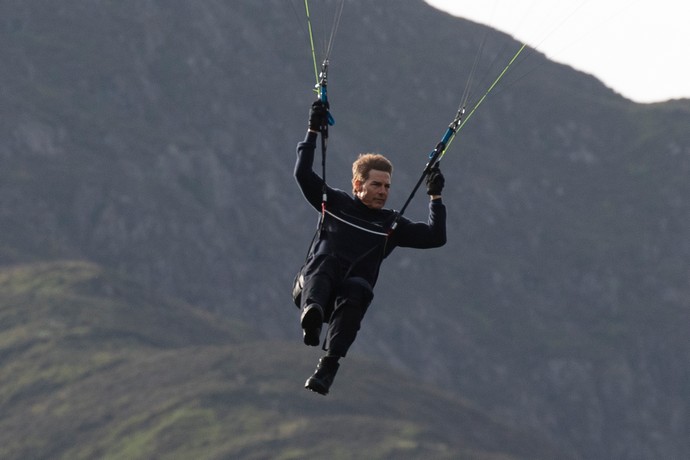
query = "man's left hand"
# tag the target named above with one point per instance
(435, 181)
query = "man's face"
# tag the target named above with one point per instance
(373, 192)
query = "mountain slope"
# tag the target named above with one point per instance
(95, 368)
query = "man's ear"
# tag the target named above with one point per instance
(357, 185)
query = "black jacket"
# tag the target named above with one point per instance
(357, 235)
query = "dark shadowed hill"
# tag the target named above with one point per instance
(95, 368)
(156, 139)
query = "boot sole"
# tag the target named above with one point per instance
(316, 386)
(311, 326)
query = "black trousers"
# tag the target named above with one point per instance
(344, 299)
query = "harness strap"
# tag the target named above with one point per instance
(358, 227)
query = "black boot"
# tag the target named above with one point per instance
(311, 321)
(322, 379)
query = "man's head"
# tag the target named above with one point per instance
(371, 179)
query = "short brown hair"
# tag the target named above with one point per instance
(365, 162)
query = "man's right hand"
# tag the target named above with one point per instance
(318, 116)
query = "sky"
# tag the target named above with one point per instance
(639, 48)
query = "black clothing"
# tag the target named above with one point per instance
(343, 263)
(323, 377)
(435, 181)
(351, 229)
(312, 321)
(318, 116)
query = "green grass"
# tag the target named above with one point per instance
(81, 379)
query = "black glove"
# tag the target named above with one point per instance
(318, 115)
(435, 181)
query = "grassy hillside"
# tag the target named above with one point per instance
(92, 367)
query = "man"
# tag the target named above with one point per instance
(354, 237)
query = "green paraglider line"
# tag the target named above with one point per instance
(311, 42)
(455, 126)
(484, 96)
